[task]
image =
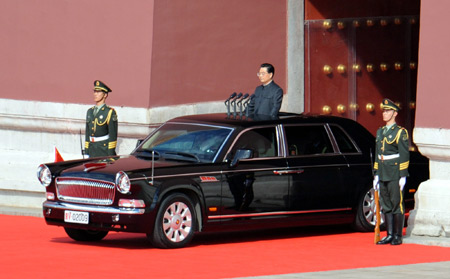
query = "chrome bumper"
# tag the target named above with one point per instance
(92, 208)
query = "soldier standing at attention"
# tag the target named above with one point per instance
(391, 169)
(101, 125)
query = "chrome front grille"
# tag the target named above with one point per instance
(87, 191)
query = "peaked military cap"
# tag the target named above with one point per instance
(98, 85)
(388, 104)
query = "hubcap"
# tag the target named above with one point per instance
(177, 221)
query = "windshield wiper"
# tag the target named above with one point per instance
(178, 155)
(148, 153)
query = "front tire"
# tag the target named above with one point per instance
(85, 235)
(175, 222)
(365, 219)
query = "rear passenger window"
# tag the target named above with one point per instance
(343, 141)
(308, 140)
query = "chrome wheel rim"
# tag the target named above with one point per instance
(369, 208)
(177, 222)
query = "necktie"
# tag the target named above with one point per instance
(95, 111)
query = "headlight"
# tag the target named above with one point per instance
(123, 182)
(44, 175)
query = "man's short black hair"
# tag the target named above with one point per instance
(270, 68)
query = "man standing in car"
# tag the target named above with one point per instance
(267, 98)
(391, 169)
(101, 124)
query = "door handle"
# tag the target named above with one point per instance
(281, 172)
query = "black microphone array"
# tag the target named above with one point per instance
(238, 101)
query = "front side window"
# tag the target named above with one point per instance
(262, 141)
(308, 140)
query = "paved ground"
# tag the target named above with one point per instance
(21, 211)
(412, 271)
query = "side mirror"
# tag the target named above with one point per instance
(241, 154)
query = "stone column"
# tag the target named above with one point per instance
(429, 222)
(294, 100)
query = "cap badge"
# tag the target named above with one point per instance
(97, 83)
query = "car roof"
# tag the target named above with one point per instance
(222, 119)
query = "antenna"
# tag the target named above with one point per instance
(153, 166)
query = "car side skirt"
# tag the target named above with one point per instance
(278, 213)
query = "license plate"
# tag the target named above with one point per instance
(76, 217)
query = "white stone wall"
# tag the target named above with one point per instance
(431, 215)
(30, 130)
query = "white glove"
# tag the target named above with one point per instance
(402, 182)
(376, 185)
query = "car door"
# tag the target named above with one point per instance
(315, 169)
(253, 188)
(359, 174)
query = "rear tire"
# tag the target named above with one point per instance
(365, 218)
(85, 235)
(175, 222)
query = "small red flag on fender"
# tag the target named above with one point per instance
(58, 157)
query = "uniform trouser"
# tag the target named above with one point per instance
(391, 198)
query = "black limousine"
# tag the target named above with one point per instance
(216, 172)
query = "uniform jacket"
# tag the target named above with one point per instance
(101, 125)
(266, 100)
(394, 141)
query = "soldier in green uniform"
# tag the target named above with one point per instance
(101, 125)
(391, 169)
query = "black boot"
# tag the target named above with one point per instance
(399, 223)
(389, 218)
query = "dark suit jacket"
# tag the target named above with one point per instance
(266, 100)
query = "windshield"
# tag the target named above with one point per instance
(191, 142)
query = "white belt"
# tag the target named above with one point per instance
(95, 139)
(388, 157)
